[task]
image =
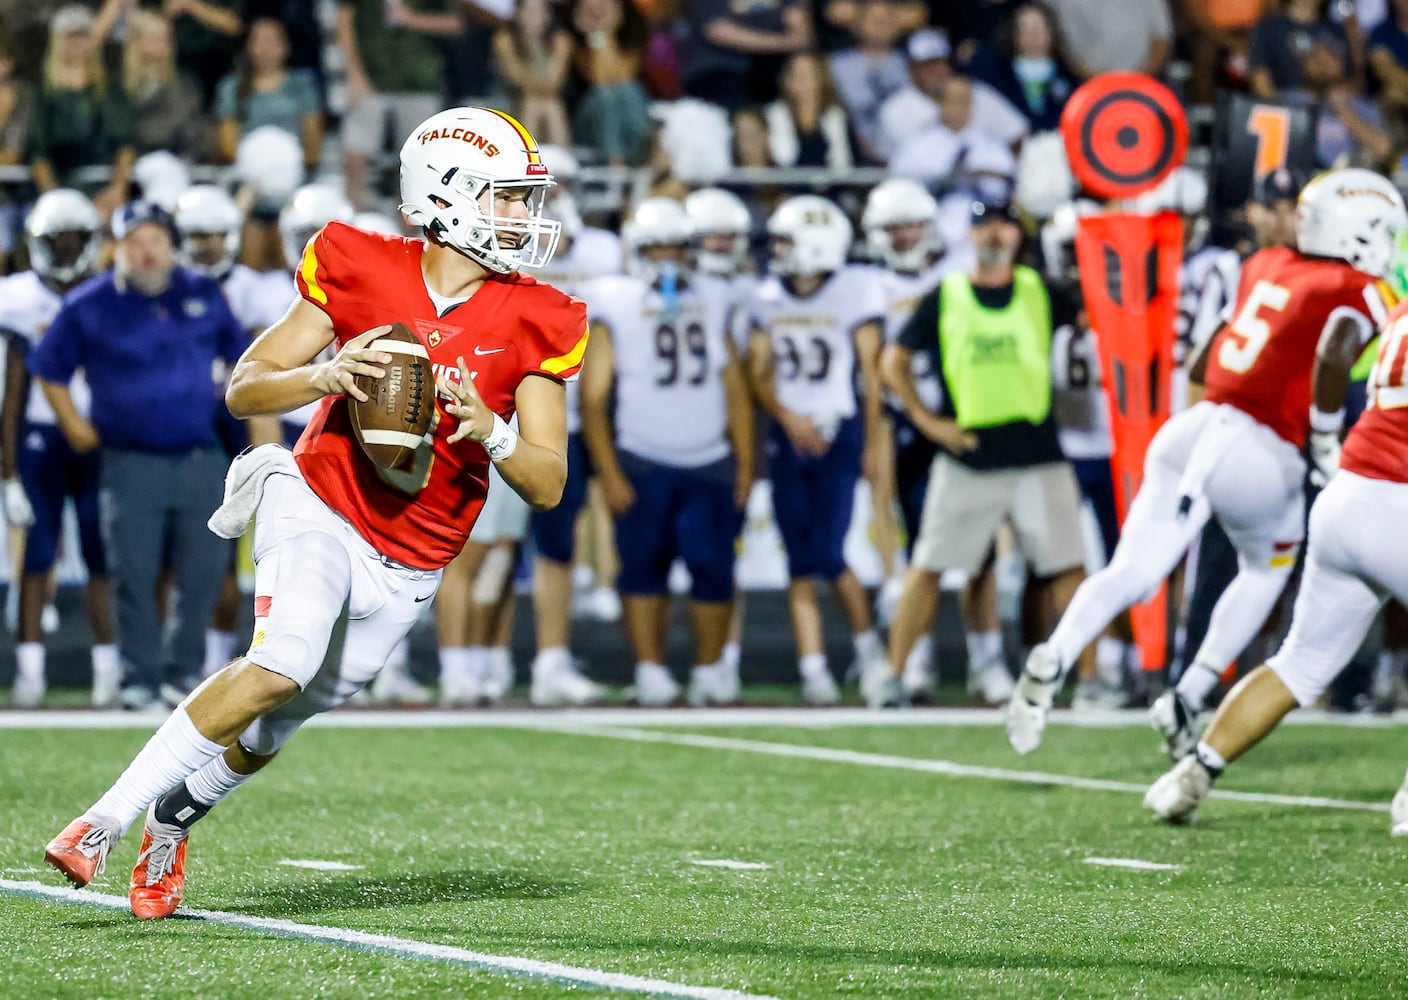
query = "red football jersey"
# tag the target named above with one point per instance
(1262, 361)
(1377, 445)
(510, 328)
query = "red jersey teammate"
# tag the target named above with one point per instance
(330, 530)
(1356, 561)
(1276, 373)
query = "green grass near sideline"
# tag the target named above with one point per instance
(883, 883)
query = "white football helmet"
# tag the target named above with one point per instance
(207, 210)
(716, 212)
(1353, 215)
(56, 256)
(818, 232)
(375, 222)
(560, 204)
(897, 202)
(656, 222)
(454, 160)
(1058, 238)
(270, 159)
(163, 178)
(311, 208)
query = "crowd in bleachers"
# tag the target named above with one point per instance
(121, 98)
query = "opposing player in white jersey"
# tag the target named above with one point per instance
(675, 451)
(1237, 454)
(722, 225)
(816, 331)
(583, 254)
(41, 471)
(210, 225)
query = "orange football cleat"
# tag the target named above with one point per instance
(159, 879)
(81, 850)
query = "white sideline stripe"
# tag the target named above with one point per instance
(405, 948)
(949, 768)
(739, 866)
(796, 717)
(320, 866)
(1135, 864)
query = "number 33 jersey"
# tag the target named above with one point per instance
(812, 339)
(1263, 359)
(670, 356)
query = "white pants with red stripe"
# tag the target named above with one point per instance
(1357, 559)
(308, 563)
(1210, 460)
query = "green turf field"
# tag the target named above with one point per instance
(580, 848)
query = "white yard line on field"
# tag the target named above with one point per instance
(404, 948)
(320, 866)
(695, 718)
(945, 767)
(738, 866)
(1135, 864)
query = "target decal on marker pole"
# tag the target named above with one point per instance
(1124, 133)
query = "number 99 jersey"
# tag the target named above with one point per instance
(671, 405)
(812, 339)
(1261, 362)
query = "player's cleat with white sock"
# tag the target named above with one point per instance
(819, 687)
(1031, 700)
(655, 686)
(498, 675)
(159, 877)
(1175, 797)
(712, 685)
(992, 682)
(29, 689)
(1175, 720)
(395, 686)
(919, 680)
(882, 689)
(107, 684)
(557, 680)
(1398, 811)
(80, 851)
(1097, 695)
(460, 688)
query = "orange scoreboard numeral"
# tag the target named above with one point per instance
(1271, 127)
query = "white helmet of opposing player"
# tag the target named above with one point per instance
(206, 211)
(455, 166)
(901, 201)
(657, 222)
(270, 159)
(717, 213)
(61, 233)
(1353, 215)
(311, 208)
(163, 177)
(1058, 237)
(816, 233)
(375, 222)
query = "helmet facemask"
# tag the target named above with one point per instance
(65, 256)
(457, 217)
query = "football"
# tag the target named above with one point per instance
(392, 423)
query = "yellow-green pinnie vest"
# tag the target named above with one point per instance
(996, 362)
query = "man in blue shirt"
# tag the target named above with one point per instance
(154, 341)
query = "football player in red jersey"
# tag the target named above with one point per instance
(1275, 373)
(333, 528)
(1355, 562)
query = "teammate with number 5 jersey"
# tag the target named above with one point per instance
(817, 324)
(1276, 373)
(678, 468)
(1356, 561)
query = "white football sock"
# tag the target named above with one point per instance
(214, 781)
(983, 648)
(454, 661)
(1109, 661)
(104, 658)
(219, 651)
(919, 659)
(175, 752)
(867, 645)
(813, 664)
(1197, 683)
(29, 659)
(732, 655)
(1210, 758)
(477, 661)
(551, 658)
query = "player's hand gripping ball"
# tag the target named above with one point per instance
(475, 417)
(391, 411)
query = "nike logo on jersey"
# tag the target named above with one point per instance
(480, 352)
(425, 598)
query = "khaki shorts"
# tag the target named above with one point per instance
(364, 127)
(963, 510)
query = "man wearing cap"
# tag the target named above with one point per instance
(153, 341)
(916, 106)
(989, 332)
